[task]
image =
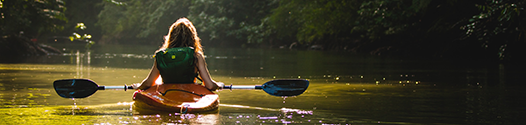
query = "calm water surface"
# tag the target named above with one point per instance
(344, 89)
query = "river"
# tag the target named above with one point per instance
(344, 88)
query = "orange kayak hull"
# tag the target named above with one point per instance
(181, 98)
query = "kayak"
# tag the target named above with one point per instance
(182, 98)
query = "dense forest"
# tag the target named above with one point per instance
(468, 29)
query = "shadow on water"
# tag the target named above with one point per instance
(344, 89)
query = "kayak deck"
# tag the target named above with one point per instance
(182, 98)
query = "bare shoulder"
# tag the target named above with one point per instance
(200, 56)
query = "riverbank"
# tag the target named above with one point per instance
(16, 46)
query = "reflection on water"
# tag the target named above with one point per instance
(344, 89)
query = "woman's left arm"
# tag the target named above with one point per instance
(205, 75)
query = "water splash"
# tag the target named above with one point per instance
(74, 106)
(297, 111)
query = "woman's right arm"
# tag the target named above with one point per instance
(150, 79)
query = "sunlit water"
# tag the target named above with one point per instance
(344, 89)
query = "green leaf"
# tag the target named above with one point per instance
(86, 36)
(80, 26)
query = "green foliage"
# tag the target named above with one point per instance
(499, 27)
(381, 17)
(85, 11)
(139, 19)
(336, 22)
(231, 22)
(31, 17)
(84, 37)
(226, 22)
(312, 20)
(116, 2)
(429, 27)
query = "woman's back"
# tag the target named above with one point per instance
(177, 65)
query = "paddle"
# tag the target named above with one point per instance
(81, 88)
(283, 87)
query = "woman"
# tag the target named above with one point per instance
(180, 59)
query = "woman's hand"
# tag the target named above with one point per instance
(135, 85)
(213, 86)
(140, 86)
(220, 85)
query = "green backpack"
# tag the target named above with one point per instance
(176, 65)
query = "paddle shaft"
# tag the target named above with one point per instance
(242, 87)
(115, 87)
(225, 87)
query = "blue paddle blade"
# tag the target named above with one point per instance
(286, 87)
(75, 88)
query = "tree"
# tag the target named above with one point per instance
(428, 27)
(315, 22)
(21, 19)
(139, 21)
(85, 12)
(31, 17)
(231, 22)
(500, 29)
